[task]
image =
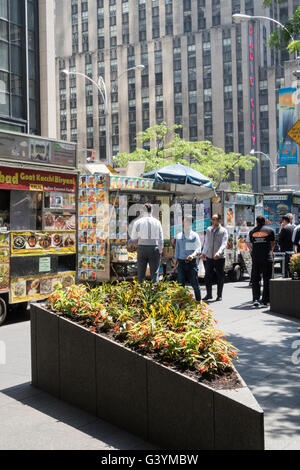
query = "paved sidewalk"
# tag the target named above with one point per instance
(31, 419)
(266, 343)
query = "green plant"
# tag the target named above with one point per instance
(295, 264)
(160, 319)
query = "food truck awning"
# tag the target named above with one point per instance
(99, 168)
(185, 180)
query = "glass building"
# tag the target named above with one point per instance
(19, 66)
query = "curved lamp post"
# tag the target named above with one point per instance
(274, 170)
(242, 18)
(101, 87)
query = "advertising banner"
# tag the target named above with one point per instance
(34, 180)
(26, 148)
(288, 150)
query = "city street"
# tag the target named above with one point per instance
(31, 419)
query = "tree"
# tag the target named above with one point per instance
(203, 156)
(282, 37)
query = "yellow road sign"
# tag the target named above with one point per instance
(294, 132)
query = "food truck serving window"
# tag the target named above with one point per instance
(26, 210)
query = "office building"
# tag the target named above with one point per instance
(199, 70)
(26, 59)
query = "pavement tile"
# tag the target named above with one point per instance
(31, 419)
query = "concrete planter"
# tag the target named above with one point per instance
(285, 297)
(138, 394)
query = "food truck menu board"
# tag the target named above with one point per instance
(58, 221)
(40, 243)
(58, 200)
(4, 262)
(275, 206)
(36, 288)
(93, 226)
(125, 182)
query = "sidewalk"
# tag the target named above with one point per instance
(265, 341)
(31, 419)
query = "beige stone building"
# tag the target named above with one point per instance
(198, 71)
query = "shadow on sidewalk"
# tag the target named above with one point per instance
(270, 365)
(81, 420)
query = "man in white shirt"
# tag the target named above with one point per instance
(147, 232)
(214, 253)
(296, 239)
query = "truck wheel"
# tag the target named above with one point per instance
(3, 310)
(237, 273)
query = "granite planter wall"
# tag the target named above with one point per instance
(136, 393)
(285, 297)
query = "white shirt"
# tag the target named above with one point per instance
(295, 232)
(147, 231)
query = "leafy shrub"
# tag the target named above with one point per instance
(160, 319)
(295, 264)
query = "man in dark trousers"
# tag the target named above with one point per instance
(188, 249)
(285, 240)
(214, 253)
(261, 245)
(148, 234)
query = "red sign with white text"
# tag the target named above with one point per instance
(35, 180)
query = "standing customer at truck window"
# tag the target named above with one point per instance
(214, 253)
(147, 232)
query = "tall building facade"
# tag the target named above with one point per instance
(218, 79)
(24, 81)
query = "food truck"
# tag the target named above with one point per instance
(38, 180)
(108, 204)
(279, 203)
(239, 212)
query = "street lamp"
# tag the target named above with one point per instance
(274, 170)
(101, 87)
(242, 18)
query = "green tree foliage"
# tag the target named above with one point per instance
(281, 37)
(203, 156)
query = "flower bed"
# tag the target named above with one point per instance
(162, 320)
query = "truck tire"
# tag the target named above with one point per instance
(3, 310)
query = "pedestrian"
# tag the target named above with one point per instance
(285, 241)
(292, 220)
(147, 232)
(214, 253)
(261, 245)
(296, 239)
(187, 250)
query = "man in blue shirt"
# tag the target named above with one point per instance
(188, 248)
